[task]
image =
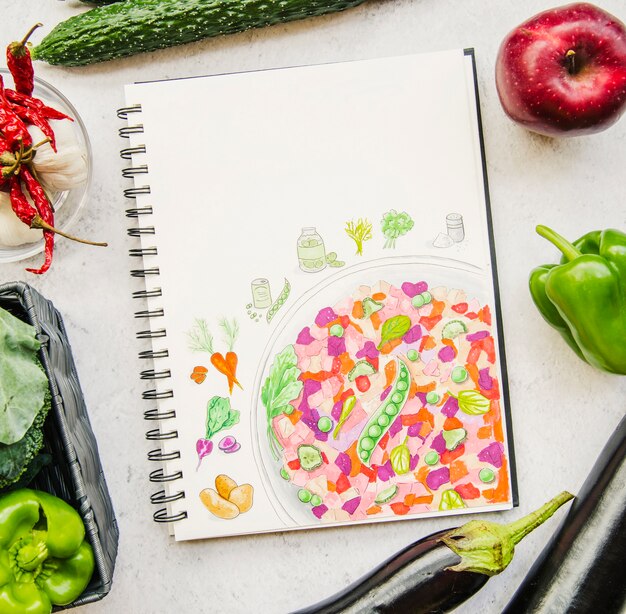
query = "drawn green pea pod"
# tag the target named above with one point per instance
(383, 417)
(279, 302)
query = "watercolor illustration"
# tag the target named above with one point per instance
(228, 499)
(199, 374)
(333, 261)
(455, 231)
(387, 404)
(279, 302)
(261, 293)
(220, 416)
(311, 251)
(312, 254)
(360, 232)
(262, 300)
(395, 225)
(201, 340)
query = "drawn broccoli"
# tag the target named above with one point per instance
(395, 225)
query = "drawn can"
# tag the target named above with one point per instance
(311, 251)
(261, 295)
(454, 225)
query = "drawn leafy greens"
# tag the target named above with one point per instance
(281, 386)
(219, 416)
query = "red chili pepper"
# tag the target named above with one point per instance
(21, 65)
(38, 195)
(39, 216)
(22, 208)
(12, 127)
(31, 116)
(5, 184)
(35, 104)
(44, 208)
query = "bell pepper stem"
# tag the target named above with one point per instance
(522, 527)
(564, 246)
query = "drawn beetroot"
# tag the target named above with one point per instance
(229, 444)
(203, 448)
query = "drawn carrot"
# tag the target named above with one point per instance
(201, 340)
(222, 365)
(231, 332)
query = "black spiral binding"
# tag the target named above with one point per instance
(156, 415)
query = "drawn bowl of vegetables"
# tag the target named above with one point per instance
(374, 383)
(66, 175)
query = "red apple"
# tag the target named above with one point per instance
(563, 72)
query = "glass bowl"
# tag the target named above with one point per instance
(68, 205)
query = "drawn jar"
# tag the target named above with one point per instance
(455, 228)
(311, 251)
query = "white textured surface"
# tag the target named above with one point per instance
(563, 410)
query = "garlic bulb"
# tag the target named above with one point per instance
(58, 171)
(65, 169)
(12, 231)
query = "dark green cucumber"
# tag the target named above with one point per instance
(134, 26)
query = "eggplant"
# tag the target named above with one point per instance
(581, 569)
(438, 572)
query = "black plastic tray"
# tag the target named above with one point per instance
(75, 473)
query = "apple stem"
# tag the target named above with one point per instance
(570, 58)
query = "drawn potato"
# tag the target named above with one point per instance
(224, 485)
(217, 505)
(242, 497)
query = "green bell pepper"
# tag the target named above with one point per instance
(584, 297)
(44, 558)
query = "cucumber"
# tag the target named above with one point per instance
(453, 329)
(384, 496)
(361, 367)
(134, 26)
(310, 457)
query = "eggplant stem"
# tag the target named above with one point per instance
(488, 547)
(522, 527)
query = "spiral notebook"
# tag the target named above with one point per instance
(322, 335)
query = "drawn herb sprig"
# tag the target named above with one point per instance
(231, 332)
(359, 231)
(200, 338)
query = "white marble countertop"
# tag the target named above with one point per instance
(563, 410)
